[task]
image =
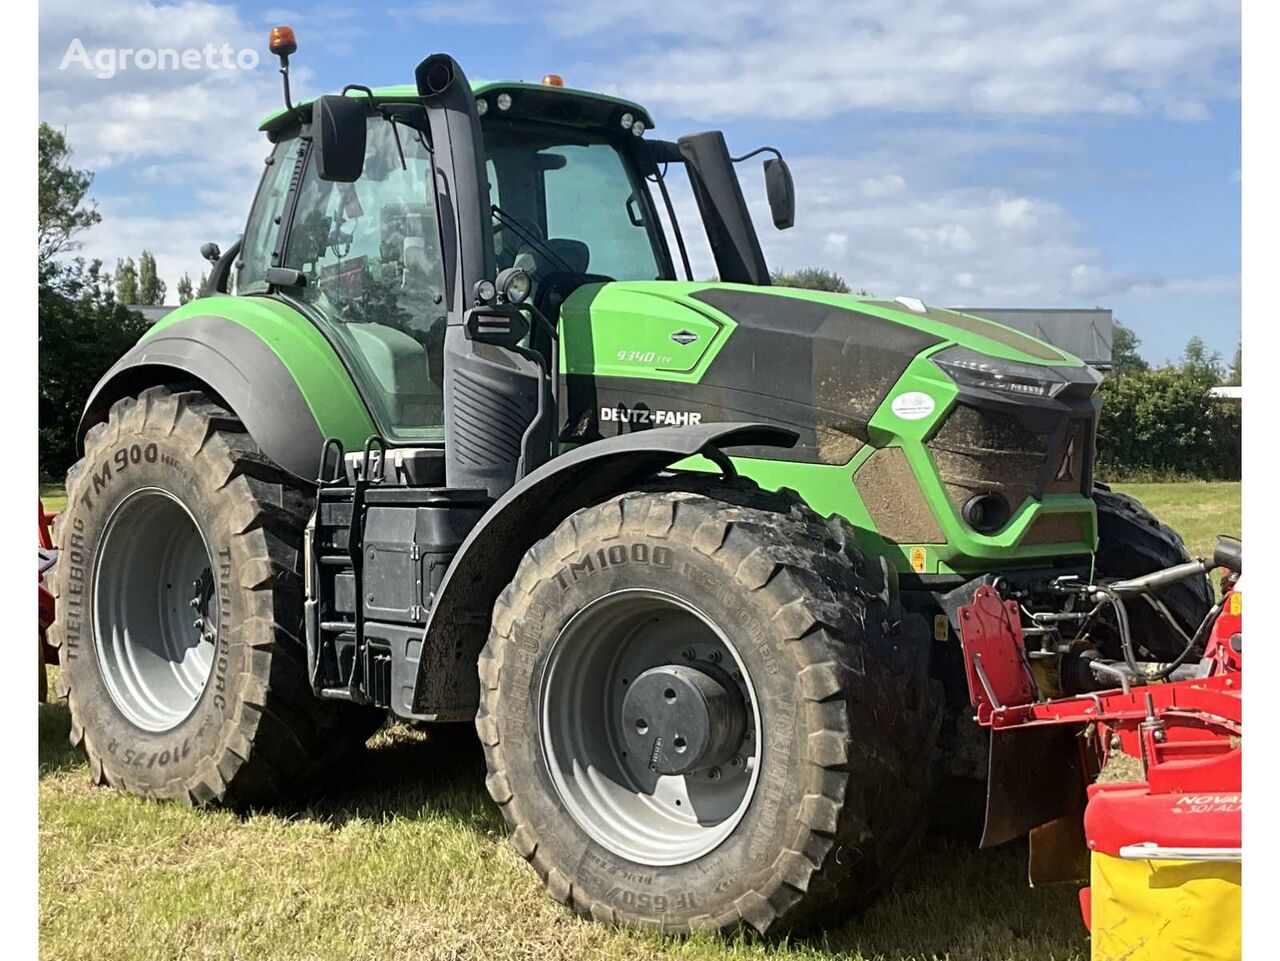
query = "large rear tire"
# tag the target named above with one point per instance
(1132, 542)
(731, 596)
(179, 609)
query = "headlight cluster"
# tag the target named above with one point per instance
(971, 369)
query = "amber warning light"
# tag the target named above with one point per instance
(553, 80)
(282, 42)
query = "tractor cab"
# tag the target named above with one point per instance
(385, 250)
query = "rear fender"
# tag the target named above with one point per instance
(262, 359)
(447, 687)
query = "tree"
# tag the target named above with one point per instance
(185, 294)
(1201, 363)
(201, 290)
(151, 288)
(1235, 373)
(127, 282)
(812, 278)
(1125, 358)
(64, 212)
(1161, 422)
(83, 331)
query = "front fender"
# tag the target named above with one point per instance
(458, 624)
(261, 358)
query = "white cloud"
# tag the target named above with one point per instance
(874, 188)
(189, 133)
(811, 59)
(948, 245)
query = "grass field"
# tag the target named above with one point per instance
(408, 860)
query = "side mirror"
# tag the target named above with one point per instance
(782, 192)
(211, 252)
(338, 129)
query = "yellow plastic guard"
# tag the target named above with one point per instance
(1165, 910)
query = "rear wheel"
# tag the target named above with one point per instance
(179, 606)
(1131, 542)
(694, 715)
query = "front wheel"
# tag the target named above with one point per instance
(695, 716)
(1132, 542)
(179, 611)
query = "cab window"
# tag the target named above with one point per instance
(263, 229)
(371, 253)
(568, 202)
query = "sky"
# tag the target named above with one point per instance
(1023, 153)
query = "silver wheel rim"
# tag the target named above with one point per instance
(645, 817)
(154, 610)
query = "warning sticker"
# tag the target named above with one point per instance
(913, 405)
(918, 559)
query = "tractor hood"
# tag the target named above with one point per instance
(822, 364)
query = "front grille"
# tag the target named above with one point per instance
(979, 450)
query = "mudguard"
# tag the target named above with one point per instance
(261, 358)
(447, 687)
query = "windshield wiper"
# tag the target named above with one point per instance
(528, 238)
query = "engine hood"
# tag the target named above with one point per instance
(743, 304)
(820, 363)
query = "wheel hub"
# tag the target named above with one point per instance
(649, 727)
(155, 610)
(678, 719)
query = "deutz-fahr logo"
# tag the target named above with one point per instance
(621, 414)
(683, 337)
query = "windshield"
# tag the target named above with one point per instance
(568, 202)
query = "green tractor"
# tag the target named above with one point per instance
(448, 439)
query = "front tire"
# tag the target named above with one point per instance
(179, 608)
(779, 611)
(1132, 542)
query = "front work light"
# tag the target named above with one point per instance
(504, 101)
(514, 285)
(971, 369)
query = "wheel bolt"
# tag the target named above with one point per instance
(195, 602)
(688, 654)
(736, 761)
(714, 774)
(715, 657)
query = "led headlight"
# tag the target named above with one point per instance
(971, 369)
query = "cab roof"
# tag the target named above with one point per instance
(553, 100)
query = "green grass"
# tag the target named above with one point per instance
(408, 859)
(53, 495)
(1198, 510)
(414, 863)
